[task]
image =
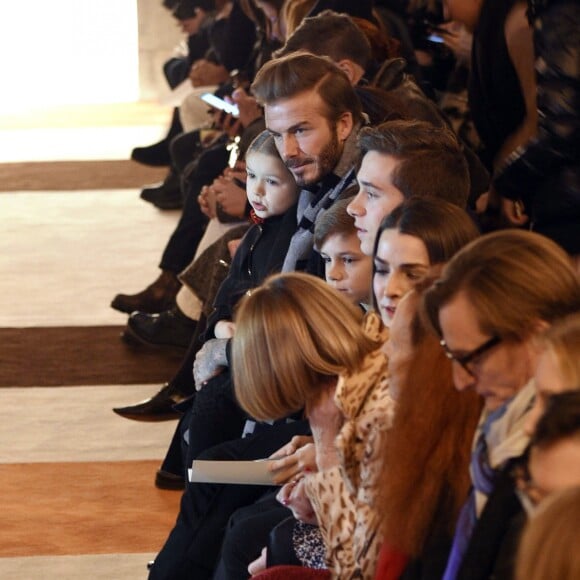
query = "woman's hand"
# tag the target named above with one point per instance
(325, 420)
(293, 495)
(296, 458)
(459, 40)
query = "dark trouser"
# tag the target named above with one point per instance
(211, 416)
(192, 548)
(182, 244)
(247, 533)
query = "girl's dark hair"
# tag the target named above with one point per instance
(263, 143)
(443, 227)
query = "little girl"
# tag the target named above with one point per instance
(271, 192)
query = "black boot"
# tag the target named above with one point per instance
(157, 155)
(157, 297)
(170, 328)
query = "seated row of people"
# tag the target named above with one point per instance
(358, 445)
(197, 535)
(314, 121)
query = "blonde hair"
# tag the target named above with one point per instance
(563, 339)
(293, 334)
(513, 279)
(549, 545)
(294, 11)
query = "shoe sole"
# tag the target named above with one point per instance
(119, 308)
(131, 337)
(177, 485)
(164, 205)
(143, 418)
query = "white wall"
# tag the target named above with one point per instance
(58, 52)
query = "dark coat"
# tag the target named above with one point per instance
(487, 556)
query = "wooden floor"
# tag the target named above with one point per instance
(77, 498)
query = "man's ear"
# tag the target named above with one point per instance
(534, 346)
(344, 126)
(353, 71)
(347, 67)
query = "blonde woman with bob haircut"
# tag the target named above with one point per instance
(300, 344)
(492, 302)
(294, 335)
(549, 546)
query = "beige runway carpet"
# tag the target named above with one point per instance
(77, 498)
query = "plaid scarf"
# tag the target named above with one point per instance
(314, 201)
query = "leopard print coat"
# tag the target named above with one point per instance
(343, 497)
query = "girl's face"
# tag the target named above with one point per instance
(346, 268)
(270, 187)
(400, 262)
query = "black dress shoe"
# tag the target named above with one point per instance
(167, 480)
(169, 328)
(156, 155)
(157, 297)
(160, 407)
(166, 195)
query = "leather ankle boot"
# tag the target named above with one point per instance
(157, 297)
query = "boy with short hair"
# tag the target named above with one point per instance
(346, 268)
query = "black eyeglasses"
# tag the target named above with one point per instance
(465, 359)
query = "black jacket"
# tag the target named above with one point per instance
(261, 253)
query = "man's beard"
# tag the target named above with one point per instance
(326, 161)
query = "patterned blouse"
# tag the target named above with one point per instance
(343, 497)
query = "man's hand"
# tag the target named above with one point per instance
(248, 106)
(230, 196)
(204, 72)
(207, 201)
(209, 361)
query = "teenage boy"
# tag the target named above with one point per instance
(403, 159)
